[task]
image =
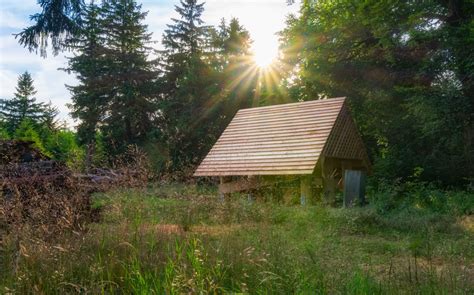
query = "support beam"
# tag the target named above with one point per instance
(305, 190)
(354, 188)
(329, 172)
(245, 184)
(223, 194)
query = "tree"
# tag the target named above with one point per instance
(457, 19)
(237, 71)
(59, 21)
(130, 76)
(91, 67)
(23, 105)
(115, 95)
(4, 133)
(395, 62)
(63, 146)
(190, 100)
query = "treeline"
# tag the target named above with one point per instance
(23, 118)
(406, 67)
(173, 102)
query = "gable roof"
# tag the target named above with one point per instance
(281, 139)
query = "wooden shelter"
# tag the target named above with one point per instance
(314, 141)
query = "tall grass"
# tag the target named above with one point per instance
(183, 239)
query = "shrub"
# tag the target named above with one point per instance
(398, 195)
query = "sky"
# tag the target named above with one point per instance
(262, 18)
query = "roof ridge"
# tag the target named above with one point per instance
(281, 105)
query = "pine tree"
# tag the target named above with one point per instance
(23, 105)
(130, 77)
(115, 93)
(186, 35)
(191, 99)
(237, 40)
(90, 97)
(239, 75)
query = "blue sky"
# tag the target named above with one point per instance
(263, 18)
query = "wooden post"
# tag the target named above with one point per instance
(354, 188)
(250, 198)
(305, 189)
(329, 180)
(329, 187)
(223, 196)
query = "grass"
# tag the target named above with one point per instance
(183, 239)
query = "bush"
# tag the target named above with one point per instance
(387, 197)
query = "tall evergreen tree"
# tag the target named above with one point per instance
(190, 99)
(23, 105)
(130, 76)
(238, 72)
(90, 65)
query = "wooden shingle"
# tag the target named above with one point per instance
(282, 139)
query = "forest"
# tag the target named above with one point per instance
(407, 71)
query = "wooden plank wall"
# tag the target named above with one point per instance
(345, 142)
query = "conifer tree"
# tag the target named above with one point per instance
(57, 22)
(130, 75)
(90, 97)
(23, 105)
(239, 75)
(190, 92)
(115, 93)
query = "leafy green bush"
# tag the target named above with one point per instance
(422, 196)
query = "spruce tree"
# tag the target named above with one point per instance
(56, 23)
(90, 97)
(130, 76)
(23, 105)
(239, 75)
(190, 100)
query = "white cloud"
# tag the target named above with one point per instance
(10, 20)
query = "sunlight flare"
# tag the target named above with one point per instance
(265, 53)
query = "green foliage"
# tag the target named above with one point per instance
(63, 147)
(207, 76)
(90, 97)
(421, 196)
(25, 119)
(402, 73)
(56, 23)
(4, 133)
(191, 101)
(116, 91)
(130, 76)
(26, 131)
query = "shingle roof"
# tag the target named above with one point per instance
(274, 140)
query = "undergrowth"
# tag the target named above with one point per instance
(178, 239)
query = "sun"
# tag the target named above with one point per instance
(264, 54)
